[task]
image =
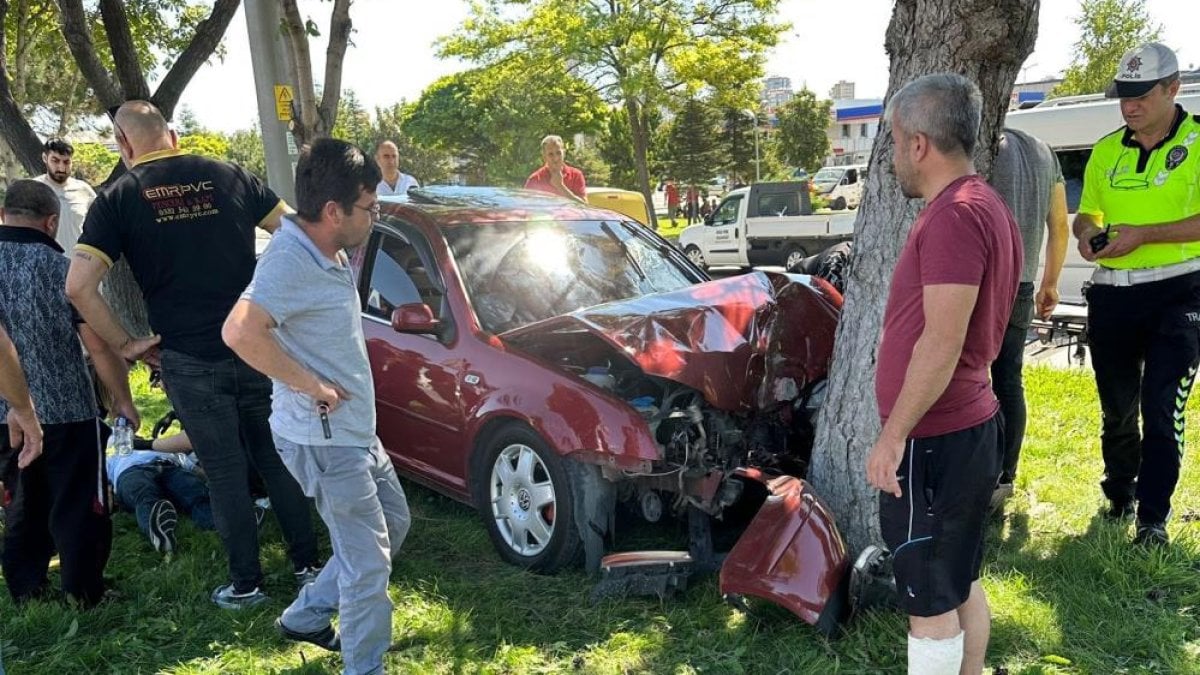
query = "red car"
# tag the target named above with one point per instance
(544, 360)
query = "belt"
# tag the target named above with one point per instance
(1105, 276)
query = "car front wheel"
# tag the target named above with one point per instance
(693, 253)
(525, 496)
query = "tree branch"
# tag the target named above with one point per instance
(125, 57)
(79, 41)
(301, 65)
(335, 54)
(208, 35)
(21, 139)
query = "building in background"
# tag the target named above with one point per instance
(776, 92)
(842, 90)
(853, 126)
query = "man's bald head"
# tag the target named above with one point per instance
(141, 128)
(387, 156)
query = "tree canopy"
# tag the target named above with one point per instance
(802, 139)
(1107, 29)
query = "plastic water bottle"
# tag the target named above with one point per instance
(123, 436)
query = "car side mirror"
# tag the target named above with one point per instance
(415, 318)
(708, 220)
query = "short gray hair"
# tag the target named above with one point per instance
(946, 107)
(553, 139)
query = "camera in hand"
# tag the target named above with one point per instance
(1099, 241)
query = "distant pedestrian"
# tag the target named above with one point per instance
(672, 199)
(394, 181)
(1027, 175)
(75, 197)
(58, 500)
(299, 323)
(185, 224)
(555, 176)
(693, 204)
(938, 455)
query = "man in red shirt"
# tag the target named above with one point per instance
(672, 199)
(939, 454)
(555, 176)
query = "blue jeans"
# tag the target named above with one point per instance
(225, 405)
(1007, 383)
(139, 487)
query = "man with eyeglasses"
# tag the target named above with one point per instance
(186, 226)
(298, 322)
(1139, 219)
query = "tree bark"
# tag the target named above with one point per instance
(20, 137)
(301, 64)
(208, 35)
(641, 144)
(78, 35)
(987, 41)
(335, 56)
(125, 58)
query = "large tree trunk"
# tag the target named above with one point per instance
(641, 145)
(987, 41)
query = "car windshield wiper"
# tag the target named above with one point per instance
(624, 249)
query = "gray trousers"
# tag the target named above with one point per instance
(361, 501)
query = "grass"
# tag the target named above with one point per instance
(1069, 595)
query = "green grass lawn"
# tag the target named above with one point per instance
(1069, 595)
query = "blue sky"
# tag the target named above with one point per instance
(830, 40)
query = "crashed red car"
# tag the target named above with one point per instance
(543, 361)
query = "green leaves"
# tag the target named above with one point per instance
(802, 142)
(1107, 29)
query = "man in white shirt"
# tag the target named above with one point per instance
(387, 155)
(74, 195)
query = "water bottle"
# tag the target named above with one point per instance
(123, 436)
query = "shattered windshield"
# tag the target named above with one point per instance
(522, 272)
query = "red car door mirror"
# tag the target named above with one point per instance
(414, 318)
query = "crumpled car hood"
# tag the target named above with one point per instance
(745, 342)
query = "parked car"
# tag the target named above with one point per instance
(841, 186)
(544, 360)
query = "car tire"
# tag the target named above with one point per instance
(693, 253)
(526, 497)
(793, 256)
(838, 204)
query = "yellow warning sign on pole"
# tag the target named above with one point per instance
(283, 102)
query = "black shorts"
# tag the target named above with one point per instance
(935, 529)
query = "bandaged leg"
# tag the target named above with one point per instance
(927, 656)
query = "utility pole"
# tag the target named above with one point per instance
(757, 164)
(275, 93)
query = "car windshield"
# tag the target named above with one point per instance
(521, 272)
(829, 175)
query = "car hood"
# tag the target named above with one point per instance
(746, 342)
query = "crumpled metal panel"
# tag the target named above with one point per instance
(745, 342)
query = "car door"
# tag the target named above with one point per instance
(723, 235)
(417, 395)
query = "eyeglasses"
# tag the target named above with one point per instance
(1127, 182)
(373, 209)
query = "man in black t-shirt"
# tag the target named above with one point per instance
(185, 224)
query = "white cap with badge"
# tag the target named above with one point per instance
(1140, 69)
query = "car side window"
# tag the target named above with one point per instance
(727, 213)
(399, 277)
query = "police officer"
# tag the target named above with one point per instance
(1139, 219)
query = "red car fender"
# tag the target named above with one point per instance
(573, 420)
(791, 554)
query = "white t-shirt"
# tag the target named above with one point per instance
(74, 199)
(403, 183)
(116, 464)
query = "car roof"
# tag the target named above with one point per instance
(458, 205)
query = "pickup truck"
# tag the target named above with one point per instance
(764, 224)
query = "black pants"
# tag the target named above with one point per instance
(1145, 342)
(225, 406)
(60, 504)
(1007, 383)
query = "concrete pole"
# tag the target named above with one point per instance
(266, 57)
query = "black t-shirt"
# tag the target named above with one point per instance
(185, 224)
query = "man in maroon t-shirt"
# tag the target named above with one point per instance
(555, 176)
(939, 454)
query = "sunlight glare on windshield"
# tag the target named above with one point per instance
(547, 248)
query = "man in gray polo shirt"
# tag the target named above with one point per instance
(299, 323)
(1027, 175)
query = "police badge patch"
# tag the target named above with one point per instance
(1176, 156)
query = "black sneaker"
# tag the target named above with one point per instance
(326, 638)
(1151, 535)
(163, 518)
(306, 575)
(228, 597)
(1119, 509)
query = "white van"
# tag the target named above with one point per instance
(841, 186)
(1071, 126)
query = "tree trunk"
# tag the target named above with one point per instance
(305, 109)
(78, 35)
(20, 137)
(125, 58)
(987, 41)
(204, 41)
(641, 143)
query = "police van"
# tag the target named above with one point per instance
(1071, 126)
